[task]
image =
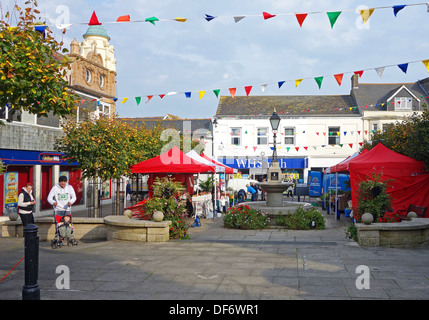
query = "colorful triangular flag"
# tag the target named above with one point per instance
(366, 14)
(333, 16)
(403, 67)
(151, 20)
(138, 100)
(268, 15)
(181, 19)
(201, 93)
(248, 89)
(216, 92)
(339, 78)
(360, 73)
(426, 63)
(188, 94)
(280, 83)
(209, 17)
(124, 19)
(398, 8)
(319, 81)
(149, 98)
(94, 20)
(232, 91)
(301, 17)
(297, 82)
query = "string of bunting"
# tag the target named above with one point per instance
(319, 80)
(300, 17)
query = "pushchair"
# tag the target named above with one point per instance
(63, 229)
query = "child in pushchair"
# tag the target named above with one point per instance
(63, 229)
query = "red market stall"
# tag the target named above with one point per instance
(409, 179)
(173, 162)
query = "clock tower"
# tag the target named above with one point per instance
(93, 72)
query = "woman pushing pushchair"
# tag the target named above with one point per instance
(62, 196)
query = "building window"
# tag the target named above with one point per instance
(88, 76)
(290, 136)
(386, 126)
(334, 135)
(262, 136)
(101, 81)
(236, 136)
(374, 128)
(403, 104)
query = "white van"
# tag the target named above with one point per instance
(237, 184)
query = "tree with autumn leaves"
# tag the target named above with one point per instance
(409, 137)
(107, 147)
(32, 72)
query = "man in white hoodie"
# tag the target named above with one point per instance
(62, 195)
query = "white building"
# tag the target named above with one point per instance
(315, 132)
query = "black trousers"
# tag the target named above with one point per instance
(26, 218)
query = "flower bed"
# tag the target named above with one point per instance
(244, 217)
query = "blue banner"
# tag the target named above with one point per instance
(284, 163)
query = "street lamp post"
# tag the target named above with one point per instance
(274, 172)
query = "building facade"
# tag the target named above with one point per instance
(27, 142)
(315, 132)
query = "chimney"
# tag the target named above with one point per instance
(355, 81)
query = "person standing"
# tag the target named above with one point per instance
(26, 204)
(62, 195)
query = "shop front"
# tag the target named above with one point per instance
(256, 168)
(42, 170)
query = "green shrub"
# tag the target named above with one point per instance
(302, 219)
(244, 217)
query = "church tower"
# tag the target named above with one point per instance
(93, 72)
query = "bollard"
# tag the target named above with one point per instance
(31, 290)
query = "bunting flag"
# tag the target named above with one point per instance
(209, 17)
(151, 20)
(125, 100)
(248, 89)
(426, 63)
(41, 29)
(300, 17)
(94, 20)
(232, 91)
(366, 14)
(239, 18)
(398, 8)
(138, 100)
(319, 81)
(123, 19)
(268, 15)
(339, 78)
(333, 16)
(380, 71)
(403, 67)
(360, 73)
(149, 98)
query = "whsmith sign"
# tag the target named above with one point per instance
(284, 163)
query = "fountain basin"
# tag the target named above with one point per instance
(275, 192)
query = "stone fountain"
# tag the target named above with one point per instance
(274, 187)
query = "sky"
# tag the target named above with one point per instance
(200, 55)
